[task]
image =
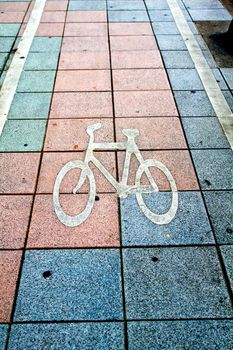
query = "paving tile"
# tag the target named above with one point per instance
(3, 58)
(3, 335)
(6, 43)
(144, 104)
(19, 171)
(15, 211)
(159, 4)
(87, 5)
(176, 42)
(228, 76)
(84, 60)
(84, 283)
(190, 225)
(129, 43)
(71, 44)
(193, 103)
(128, 16)
(9, 268)
(83, 80)
(9, 29)
(184, 79)
(204, 133)
(165, 15)
(173, 283)
(130, 29)
(81, 105)
(219, 206)
(178, 163)
(46, 44)
(53, 17)
(82, 336)
(203, 334)
(60, 5)
(14, 6)
(214, 168)
(46, 29)
(227, 252)
(41, 61)
(22, 136)
(11, 17)
(200, 4)
(36, 81)
(140, 79)
(136, 59)
(210, 15)
(86, 29)
(53, 162)
(155, 133)
(86, 16)
(182, 59)
(126, 5)
(170, 28)
(30, 106)
(71, 135)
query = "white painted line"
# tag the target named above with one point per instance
(206, 75)
(13, 74)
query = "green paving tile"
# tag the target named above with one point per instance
(22, 136)
(46, 44)
(3, 58)
(41, 61)
(36, 81)
(9, 29)
(6, 43)
(30, 106)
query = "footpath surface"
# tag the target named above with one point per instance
(118, 280)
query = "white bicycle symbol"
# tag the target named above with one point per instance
(122, 188)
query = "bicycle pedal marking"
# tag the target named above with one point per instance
(122, 188)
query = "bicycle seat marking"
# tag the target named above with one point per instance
(122, 187)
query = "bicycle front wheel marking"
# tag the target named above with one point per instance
(67, 220)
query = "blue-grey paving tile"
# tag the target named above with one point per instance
(67, 336)
(3, 58)
(165, 16)
(210, 15)
(22, 136)
(204, 132)
(6, 43)
(41, 61)
(9, 29)
(128, 16)
(228, 75)
(203, 4)
(190, 225)
(170, 335)
(30, 106)
(36, 81)
(174, 283)
(182, 59)
(176, 42)
(84, 285)
(185, 79)
(3, 335)
(220, 209)
(126, 5)
(45, 44)
(214, 168)
(227, 252)
(160, 4)
(170, 28)
(87, 5)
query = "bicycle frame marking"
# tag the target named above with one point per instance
(122, 187)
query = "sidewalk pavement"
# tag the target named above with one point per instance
(118, 280)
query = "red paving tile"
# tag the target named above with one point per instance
(84, 44)
(86, 29)
(155, 133)
(136, 59)
(130, 29)
(46, 29)
(178, 163)
(140, 79)
(52, 5)
(18, 172)
(81, 105)
(84, 60)
(13, 6)
(53, 234)
(53, 162)
(11, 17)
(14, 217)
(144, 104)
(53, 17)
(86, 16)
(9, 268)
(71, 135)
(129, 43)
(83, 80)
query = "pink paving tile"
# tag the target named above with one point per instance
(46, 29)
(84, 60)
(177, 162)
(144, 104)
(11, 17)
(155, 133)
(81, 105)
(71, 135)
(101, 229)
(56, 5)
(136, 59)
(14, 218)
(86, 16)
(84, 44)
(129, 43)
(9, 269)
(140, 79)
(18, 172)
(53, 162)
(53, 16)
(130, 29)
(13, 6)
(83, 80)
(86, 29)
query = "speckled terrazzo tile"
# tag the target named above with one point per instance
(87, 5)
(227, 252)
(3, 335)
(41, 61)
(126, 5)
(36, 81)
(128, 16)
(46, 44)
(6, 43)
